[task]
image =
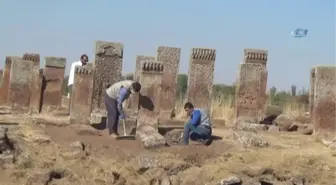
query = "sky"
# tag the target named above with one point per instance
(70, 28)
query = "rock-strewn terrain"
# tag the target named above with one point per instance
(45, 151)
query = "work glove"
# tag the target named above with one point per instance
(122, 116)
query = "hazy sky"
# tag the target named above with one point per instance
(69, 29)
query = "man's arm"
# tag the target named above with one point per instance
(71, 74)
(196, 117)
(122, 96)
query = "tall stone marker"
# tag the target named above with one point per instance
(258, 56)
(311, 93)
(108, 66)
(170, 56)
(81, 101)
(36, 84)
(150, 95)
(324, 99)
(200, 77)
(53, 79)
(4, 86)
(20, 84)
(149, 102)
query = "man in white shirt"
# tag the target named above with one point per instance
(84, 59)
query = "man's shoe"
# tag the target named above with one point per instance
(114, 135)
(205, 142)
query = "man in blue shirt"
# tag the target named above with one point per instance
(199, 126)
(115, 95)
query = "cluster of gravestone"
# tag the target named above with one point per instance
(27, 88)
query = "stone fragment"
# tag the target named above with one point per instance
(241, 125)
(150, 137)
(200, 77)
(75, 150)
(249, 139)
(273, 128)
(283, 122)
(174, 136)
(232, 180)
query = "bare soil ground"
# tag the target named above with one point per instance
(51, 152)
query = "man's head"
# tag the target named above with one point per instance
(189, 108)
(84, 59)
(136, 87)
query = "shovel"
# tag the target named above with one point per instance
(125, 136)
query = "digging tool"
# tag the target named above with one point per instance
(125, 136)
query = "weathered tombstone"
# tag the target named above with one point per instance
(138, 61)
(170, 56)
(20, 84)
(250, 91)
(4, 88)
(311, 92)
(258, 56)
(53, 82)
(36, 85)
(200, 77)
(151, 75)
(324, 100)
(81, 100)
(108, 66)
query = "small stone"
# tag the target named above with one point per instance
(269, 179)
(283, 122)
(297, 180)
(233, 180)
(273, 128)
(248, 139)
(75, 150)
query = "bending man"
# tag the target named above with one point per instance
(199, 126)
(115, 95)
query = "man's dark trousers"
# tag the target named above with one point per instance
(112, 114)
(195, 133)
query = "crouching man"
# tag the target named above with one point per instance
(199, 126)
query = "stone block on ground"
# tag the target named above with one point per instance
(283, 122)
(150, 137)
(249, 139)
(174, 136)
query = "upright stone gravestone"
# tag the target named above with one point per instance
(258, 56)
(170, 56)
(149, 102)
(4, 88)
(311, 92)
(20, 84)
(200, 77)
(108, 66)
(53, 79)
(81, 101)
(324, 100)
(36, 85)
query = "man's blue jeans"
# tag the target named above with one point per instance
(195, 133)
